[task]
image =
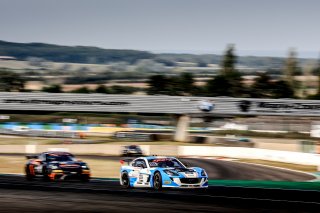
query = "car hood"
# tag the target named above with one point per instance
(68, 164)
(193, 172)
(185, 172)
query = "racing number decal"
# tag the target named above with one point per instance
(143, 176)
(134, 174)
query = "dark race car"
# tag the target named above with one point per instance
(132, 150)
(56, 165)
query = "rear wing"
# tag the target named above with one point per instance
(31, 157)
(127, 161)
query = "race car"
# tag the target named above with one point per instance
(56, 165)
(161, 172)
(131, 150)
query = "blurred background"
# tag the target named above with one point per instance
(250, 68)
(108, 47)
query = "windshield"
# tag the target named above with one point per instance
(165, 163)
(134, 147)
(53, 157)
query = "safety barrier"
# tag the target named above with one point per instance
(251, 153)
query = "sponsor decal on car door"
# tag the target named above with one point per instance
(143, 176)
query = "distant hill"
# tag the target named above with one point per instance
(95, 55)
(76, 54)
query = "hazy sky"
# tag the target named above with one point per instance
(262, 27)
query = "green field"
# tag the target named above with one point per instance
(267, 184)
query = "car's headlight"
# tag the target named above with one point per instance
(84, 167)
(171, 173)
(203, 173)
(54, 167)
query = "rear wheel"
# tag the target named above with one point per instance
(29, 175)
(157, 181)
(125, 180)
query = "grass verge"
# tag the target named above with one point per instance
(267, 184)
(288, 135)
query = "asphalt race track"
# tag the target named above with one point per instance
(19, 195)
(230, 170)
(40, 201)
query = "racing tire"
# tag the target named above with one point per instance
(45, 175)
(157, 181)
(125, 180)
(29, 176)
(85, 178)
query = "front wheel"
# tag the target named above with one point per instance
(47, 177)
(125, 180)
(157, 181)
(85, 178)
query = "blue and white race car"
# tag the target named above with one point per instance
(161, 172)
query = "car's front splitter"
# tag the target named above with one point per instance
(177, 183)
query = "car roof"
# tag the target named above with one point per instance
(57, 153)
(156, 157)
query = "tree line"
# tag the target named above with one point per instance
(94, 55)
(228, 82)
(78, 54)
(116, 89)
